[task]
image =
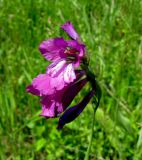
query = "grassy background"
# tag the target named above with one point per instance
(112, 32)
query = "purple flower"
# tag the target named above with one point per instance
(55, 101)
(62, 80)
(54, 105)
(66, 55)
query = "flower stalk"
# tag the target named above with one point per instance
(91, 135)
(95, 105)
(95, 102)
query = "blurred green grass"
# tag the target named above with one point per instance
(112, 32)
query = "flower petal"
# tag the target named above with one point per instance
(80, 51)
(73, 112)
(41, 86)
(56, 68)
(53, 49)
(69, 29)
(48, 107)
(55, 104)
(58, 82)
(72, 91)
(51, 105)
(77, 46)
(32, 90)
(69, 74)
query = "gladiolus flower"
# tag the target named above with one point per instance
(62, 80)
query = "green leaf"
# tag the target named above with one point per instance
(40, 144)
(139, 142)
(125, 122)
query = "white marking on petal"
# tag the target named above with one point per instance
(56, 68)
(69, 74)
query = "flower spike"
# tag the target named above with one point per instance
(63, 79)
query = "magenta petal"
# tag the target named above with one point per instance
(55, 104)
(48, 111)
(42, 84)
(51, 109)
(73, 112)
(58, 82)
(69, 74)
(68, 27)
(74, 44)
(32, 90)
(51, 105)
(80, 48)
(53, 49)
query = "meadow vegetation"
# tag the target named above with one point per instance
(112, 32)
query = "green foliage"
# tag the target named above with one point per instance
(112, 31)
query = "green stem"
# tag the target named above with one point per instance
(92, 132)
(95, 103)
